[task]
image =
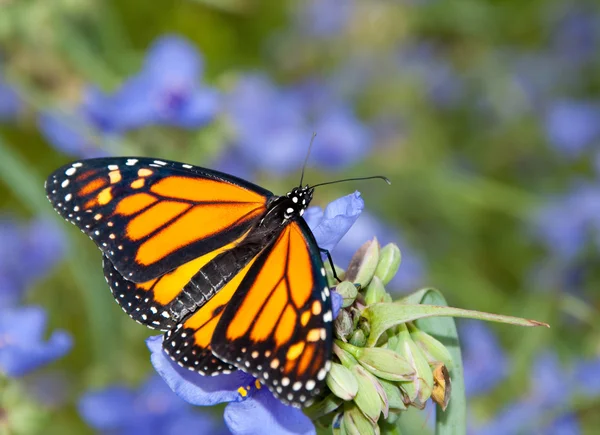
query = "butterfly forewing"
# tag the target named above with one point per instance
(151, 216)
(278, 326)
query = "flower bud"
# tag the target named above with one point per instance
(323, 407)
(394, 396)
(419, 389)
(355, 423)
(367, 399)
(358, 338)
(363, 264)
(375, 292)
(383, 363)
(343, 325)
(348, 292)
(342, 382)
(432, 349)
(389, 262)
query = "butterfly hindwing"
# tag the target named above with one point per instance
(150, 216)
(278, 325)
(189, 343)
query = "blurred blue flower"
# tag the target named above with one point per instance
(485, 362)
(10, 103)
(566, 224)
(576, 35)
(167, 91)
(80, 132)
(27, 253)
(586, 377)
(272, 127)
(153, 409)
(412, 269)
(22, 345)
(258, 412)
(324, 18)
(550, 390)
(573, 126)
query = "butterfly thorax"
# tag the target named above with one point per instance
(293, 204)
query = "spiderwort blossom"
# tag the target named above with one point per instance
(27, 253)
(282, 120)
(485, 362)
(251, 408)
(22, 346)
(152, 409)
(573, 126)
(167, 91)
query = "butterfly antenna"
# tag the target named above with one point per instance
(306, 158)
(380, 177)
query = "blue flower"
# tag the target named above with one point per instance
(566, 223)
(10, 103)
(573, 126)
(551, 389)
(22, 346)
(576, 37)
(330, 225)
(167, 91)
(273, 126)
(484, 360)
(586, 377)
(83, 131)
(153, 409)
(324, 18)
(27, 253)
(252, 409)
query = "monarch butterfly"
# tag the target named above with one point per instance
(230, 271)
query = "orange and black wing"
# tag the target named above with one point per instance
(278, 325)
(148, 216)
(189, 342)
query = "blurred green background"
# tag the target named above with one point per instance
(485, 114)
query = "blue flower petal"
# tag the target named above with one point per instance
(10, 103)
(107, 409)
(264, 414)
(172, 59)
(68, 134)
(193, 387)
(336, 303)
(337, 219)
(24, 349)
(572, 126)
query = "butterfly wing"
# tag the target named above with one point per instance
(148, 216)
(278, 325)
(189, 343)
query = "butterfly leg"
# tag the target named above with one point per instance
(326, 252)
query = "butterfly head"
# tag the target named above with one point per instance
(297, 201)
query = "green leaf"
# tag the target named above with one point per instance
(387, 315)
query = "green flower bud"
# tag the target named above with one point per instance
(419, 389)
(343, 325)
(355, 423)
(323, 407)
(363, 264)
(432, 349)
(389, 262)
(367, 399)
(358, 338)
(342, 382)
(331, 281)
(348, 292)
(375, 292)
(383, 363)
(394, 396)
